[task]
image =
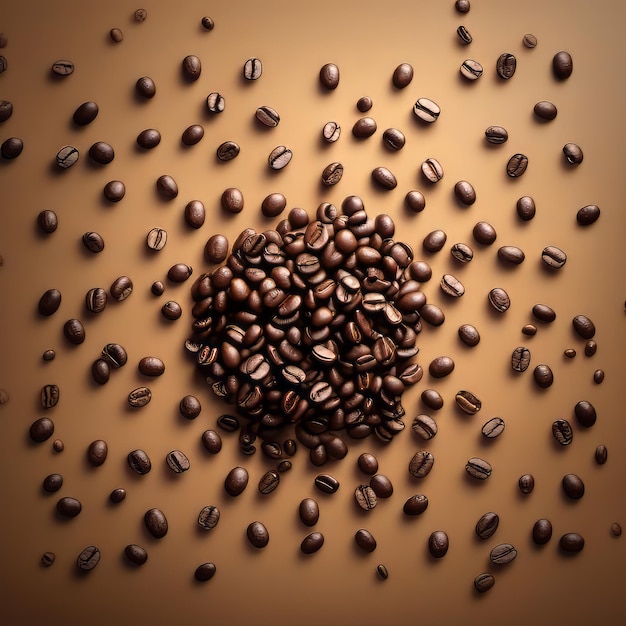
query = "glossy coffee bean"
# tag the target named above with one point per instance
(69, 507)
(506, 65)
(101, 153)
(585, 413)
(493, 428)
(205, 572)
(434, 241)
(365, 497)
(542, 531)
(85, 113)
(179, 272)
(212, 441)
(258, 534)
(381, 485)
(177, 461)
(74, 331)
(167, 187)
(364, 127)
(326, 483)
(478, 468)
(425, 426)
(562, 432)
(96, 300)
(464, 35)
(114, 190)
(232, 200)
(415, 201)
(139, 461)
(49, 302)
(275, 203)
(332, 174)
(502, 554)
(279, 157)
(48, 221)
(156, 523)
(562, 65)
(421, 464)
(588, 214)
(526, 483)
(487, 525)
(329, 76)
(573, 486)
(121, 288)
(573, 153)
(601, 455)
(97, 452)
(149, 138)
(312, 543)
(499, 299)
(93, 242)
(511, 254)
(139, 397)
(384, 178)
(462, 252)
(192, 134)
(269, 482)
(236, 481)
(598, 377)
(41, 429)
(415, 505)
(469, 335)
(62, 67)
(115, 354)
(496, 135)
(309, 511)
(227, 151)
(545, 110)
(516, 165)
(191, 67)
(402, 75)
(365, 540)
(52, 482)
(189, 407)
(100, 371)
(526, 208)
(267, 116)
(67, 156)
(88, 559)
(116, 35)
(151, 366)
(207, 23)
(117, 495)
(571, 543)
(145, 87)
(583, 326)
(465, 192)
(136, 554)
(438, 544)
(467, 402)
(393, 139)
(543, 376)
(544, 313)
(484, 233)
(484, 582)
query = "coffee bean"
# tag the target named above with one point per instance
(257, 534)
(432, 170)
(67, 156)
(526, 208)
(149, 138)
(228, 151)
(312, 543)
(502, 554)
(462, 6)
(49, 396)
(207, 23)
(97, 452)
(252, 69)
(588, 214)
(267, 116)
(52, 482)
(114, 190)
(331, 132)
(41, 429)
(402, 75)
(194, 214)
(329, 76)
(69, 507)
(583, 326)
(471, 70)
(601, 455)
(6, 110)
(140, 15)
(216, 249)
(544, 313)
(421, 464)
(529, 40)
(571, 543)
(309, 511)
(499, 299)
(464, 35)
(49, 302)
(215, 102)
(511, 254)
(156, 239)
(101, 153)
(121, 288)
(229, 423)
(487, 525)
(434, 241)
(205, 571)
(506, 65)
(562, 432)
(493, 428)
(426, 110)
(269, 482)
(47, 559)
(58, 445)
(438, 544)
(85, 113)
(573, 153)
(542, 531)
(585, 413)
(236, 481)
(208, 517)
(469, 335)
(93, 242)
(62, 67)
(136, 554)
(384, 177)
(191, 67)
(520, 359)
(562, 65)
(47, 221)
(116, 35)
(573, 486)
(478, 468)
(616, 529)
(179, 272)
(484, 582)
(274, 204)
(96, 300)
(189, 407)
(415, 201)
(115, 354)
(543, 376)
(465, 192)
(381, 485)
(326, 483)
(484, 233)
(74, 331)
(156, 523)
(441, 366)
(279, 157)
(212, 441)
(117, 495)
(88, 559)
(177, 461)
(415, 505)
(365, 540)
(139, 461)
(516, 165)
(496, 135)
(364, 104)
(364, 127)
(467, 402)
(192, 134)
(462, 252)
(425, 426)
(598, 376)
(368, 463)
(365, 497)
(48, 355)
(145, 87)
(332, 174)
(545, 110)
(166, 187)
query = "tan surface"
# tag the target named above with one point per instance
(338, 585)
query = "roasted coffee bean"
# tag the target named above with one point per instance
(85, 113)
(216, 249)
(544, 313)
(484, 582)
(58, 445)
(6, 110)
(394, 139)
(332, 174)
(502, 554)
(545, 110)
(441, 366)
(117, 495)
(149, 138)
(67, 156)
(432, 399)
(309, 511)
(156, 523)
(312, 543)
(52, 482)
(588, 214)
(236, 481)
(88, 559)
(114, 190)
(506, 65)
(252, 69)
(493, 428)
(511, 254)
(329, 76)
(212, 441)
(48, 355)
(571, 543)
(205, 571)
(47, 559)
(229, 423)
(464, 35)
(543, 376)
(573, 153)
(381, 485)
(462, 6)
(177, 461)
(189, 407)
(115, 354)
(598, 377)
(331, 132)
(326, 483)
(156, 239)
(62, 67)
(516, 165)
(207, 23)
(465, 192)
(167, 187)
(208, 517)
(48, 221)
(415, 505)
(274, 204)
(526, 208)
(616, 529)
(469, 335)
(496, 134)
(49, 396)
(139, 397)
(425, 426)
(11, 148)
(145, 87)
(487, 525)
(478, 468)
(258, 534)
(365, 540)
(192, 135)
(415, 201)
(583, 326)
(573, 486)
(526, 483)
(121, 288)
(74, 331)
(179, 272)
(116, 35)
(432, 170)
(41, 429)
(384, 177)
(553, 257)
(191, 67)
(471, 70)
(69, 507)
(434, 241)
(136, 554)
(194, 214)
(529, 40)
(96, 300)
(529, 330)
(364, 104)
(93, 242)
(421, 464)
(269, 482)
(101, 152)
(139, 461)
(562, 432)
(97, 452)
(601, 455)
(365, 497)
(140, 15)
(49, 302)
(462, 252)
(279, 157)
(585, 413)
(468, 402)
(267, 116)
(368, 463)
(542, 531)
(562, 65)
(426, 110)
(364, 127)
(438, 544)
(520, 359)
(499, 299)
(215, 102)
(151, 366)
(402, 75)
(227, 151)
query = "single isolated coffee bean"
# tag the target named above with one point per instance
(573, 486)
(415, 505)
(194, 214)
(484, 233)
(570, 353)
(434, 241)
(215, 102)
(326, 483)
(520, 359)
(425, 426)
(177, 461)
(47, 559)
(562, 432)
(145, 87)
(114, 190)
(6, 110)
(139, 461)
(267, 116)
(88, 559)
(156, 523)
(506, 65)
(309, 511)
(97, 452)
(207, 23)
(583, 326)
(258, 534)
(573, 153)
(329, 76)
(332, 174)
(166, 187)
(192, 135)
(415, 201)
(41, 429)
(471, 69)
(462, 252)
(227, 151)
(156, 239)
(432, 170)
(438, 544)
(526, 208)
(189, 407)
(58, 445)
(212, 441)
(542, 531)
(478, 468)
(467, 402)
(365, 497)
(545, 110)
(493, 428)
(526, 483)
(364, 104)
(279, 157)
(11, 148)
(139, 397)
(382, 486)
(121, 288)
(48, 355)
(67, 156)
(101, 152)
(544, 313)
(93, 242)
(368, 463)
(469, 335)
(275, 203)
(426, 110)
(394, 139)
(205, 572)
(49, 302)
(502, 554)
(136, 554)
(191, 67)
(511, 254)
(179, 272)
(365, 540)
(496, 135)
(140, 15)
(216, 249)
(117, 495)
(96, 300)
(312, 543)
(465, 193)
(402, 75)
(516, 165)
(484, 582)
(62, 67)
(149, 138)
(208, 517)
(529, 40)
(151, 366)
(331, 132)
(69, 507)
(616, 529)
(432, 399)
(543, 376)
(487, 525)
(499, 299)
(252, 69)
(115, 354)
(52, 482)
(464, 35)
(116, 35)
(269, 482)
(236, 481)
(598, 377)
(588, 214)
(571, 543)
(421, 464)
(562, 65)
(364, 127)
(462, 6)
(441, 366)
(585, 413)
(74, 331)
(384, 178)
(601, 455)
(85, 113)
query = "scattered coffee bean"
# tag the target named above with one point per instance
(415, 505)
(329, 76)
(41, 429)
(58, 445)
(469, 335)
(499, 299)
(382, 571)
(52, 482)
(441, 366)
(166, 187)
(74, 331)
(67, 156)
(192, 134)
(69, 507)
(529, 40)
(598, 376)
(529, 330)
(381, 485)
(426, 110)
(6, 110)
(100, 371)
(258, 534)
(326, 483)
(151, 366)
(97, 452)
(478, 468)
(511, 254)
(156, 239)
(585, 413)
(47, 559)
(493, 428)
(267, 116)
(117, 495)
(114, 190)
(309, 511)
(484, 582)
(415, 201)
(520, 359)
(394, 139)
(542, 531)
(588, 214)
(177, 461)
(227, 151)
(47, 221)
(312, 543)
(156, 523)
(208, 517)
(573, 486)
(464, 35)
(140, 15)
(573, 153)
(402, 76)
(101, 152)
(48, 355)
(502, 554)
(601, 455)
(115, 354)
(425, 426)
(544, 313)
(583, 326)
(434, 241)
(332, 174)
(252, 69)
(465, 192)
(88, 559)
(364, 127)
(438, 544)
(496, 135)
(562, 432)
(212, 441)
(506, 65)
(269, 482)
(384, 177)
(49, 302)
(616, 529)
(462, 6)
(432, 170)
(331, 132)
(116, 35)
(236, 481)
(484, 233)
(179, 272)
(62, 67)
(516, 165)
(96, 300)
(145, 87)
(526, 208)
(545, 110)
(462, 252)
(571, 543)
(189, 407)
(191, 67)
(136, 554)
(487, 525)
(85, 113)
(543, 376)
(139, 461)
(121, 288)
(365, 540)
(207, 23)
(421, 464)
(562, 65)
(365, 497)
(468, 402)
(471, 69)
(215, 102)
(93, 242)
(279, 157)
(526, 483)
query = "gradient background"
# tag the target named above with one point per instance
(367, 40)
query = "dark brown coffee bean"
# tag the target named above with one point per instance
(462, 252)
(368, 463)
(365, 497)
(136, 554)
(601, 455)
(258, 534)
(121, 288)
(312, 543)
(543, 376)
(502, 554)
(529, 330)
(381, 485)
(516, 165)
(616, 529)
(273, 205)
(326, 483)
(47, 559)
(52, 482)
(493, 428)
(116, 35)
(216, 249)
(97, 452)
(520, 359)
(48, 355)
(588, 214)
(484, 582)
(496, 135)
(573, 153)
(69, 507)
(526, 483)
(114, 190)
(438, 544)
(85, 113)
(156, 523)
(117, 495)
(402, 76)
(469, 335)
(269, 482)
(62, 67)
(583, 326)
(208, 517)
(585, 413)
(553, 257)
(425, 426)
(232, 200)
(58, 445)
(542, 531)
(49, 396)
(529, 40)
(384, 177)
(48, 221)
(415, 201)
(421, 464)
(487, 525)
(49, 302)
(506, 65)
(145, 87)
(365, 540)
(432, 170)
(468, 402)
(229, 423)
(545, 110)
(171, 310)
(464, 35)
(228, 151)
(177, 461)
(93, 242)
(252, 69)
(590, 347)
(207, 23)
(571, 543)
(179, 272)
(544, 313)
(88, 559)
(562, 432)
(191, 67)
(139, 461)
(6, 110)
(332, 174)
(511, 254)
(101, 152)
(212, 441)
(236, 481)
(434, 241)
(573, 486)
(598, 377)
(526, 208)
(364, 127)
(67, 156)
(415, 505)
(465, 192)
(151, 366)
(74, 331)
(167, 187)
(309, 511)
(149, 138)
(441, 366)
(478, 468)
(562, 65)
(41, 429)
(96, 300)
(192, 134)
(139, 397)
(115, 354)
(393, 139)
(329, 76)
(189, 407)
(499, 299)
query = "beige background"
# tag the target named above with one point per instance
(367, 40)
